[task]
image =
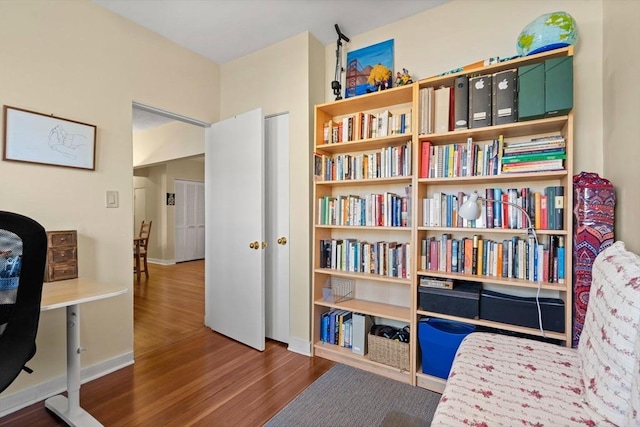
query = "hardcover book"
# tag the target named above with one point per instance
(468, 256)
(432, 282)
(441, 117)
(489, 207)
(424, 159)
(461, 103)
(558, 208)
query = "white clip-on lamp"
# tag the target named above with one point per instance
(470, 210)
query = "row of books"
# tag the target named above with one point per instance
(471, 102)
(384, 163)
(513, 258)
(336, 327)
(367, 125)
(390, 259)
(538, 154)
(495, 158)
(382, 210)
(460, 159)
(546, 209)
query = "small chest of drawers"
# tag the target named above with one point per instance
(62, 255)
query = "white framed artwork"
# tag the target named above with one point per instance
(45, 139)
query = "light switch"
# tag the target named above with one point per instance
(112, 199)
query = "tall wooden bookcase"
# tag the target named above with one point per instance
(393, 295)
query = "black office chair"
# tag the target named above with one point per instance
(23, 250)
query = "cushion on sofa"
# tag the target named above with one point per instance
(499, 380)
(609, 365)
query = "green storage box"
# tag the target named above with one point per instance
(558, 86)
(531, 88)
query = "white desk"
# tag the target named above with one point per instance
(70, 294)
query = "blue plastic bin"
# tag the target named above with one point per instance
(439, 341)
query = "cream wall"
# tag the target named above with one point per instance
(621, 113)
(76, 60)
(171, 141)
(277, 79)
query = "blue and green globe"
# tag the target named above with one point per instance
(547, 32)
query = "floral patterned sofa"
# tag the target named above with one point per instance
(499, 380)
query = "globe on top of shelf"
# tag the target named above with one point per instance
(547, 32)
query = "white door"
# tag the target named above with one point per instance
(180, 220)
(189, 220)
(277, 227)
(234, 255)
(199, 220)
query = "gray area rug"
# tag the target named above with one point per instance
(350, 397)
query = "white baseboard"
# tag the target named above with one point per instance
(299, 346)
(161, 261)
(37, 393)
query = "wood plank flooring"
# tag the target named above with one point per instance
(185, 374)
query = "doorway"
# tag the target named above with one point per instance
(276, 129)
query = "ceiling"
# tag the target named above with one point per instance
(143, 120)
(223, 30)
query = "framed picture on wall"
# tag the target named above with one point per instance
(369, 69)
(45, 139)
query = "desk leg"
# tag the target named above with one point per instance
(68, 409)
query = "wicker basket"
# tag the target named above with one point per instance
(390, 352)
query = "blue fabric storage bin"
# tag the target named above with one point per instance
(439, 340)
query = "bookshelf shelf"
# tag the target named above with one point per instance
(372, 308)
(359, 182)
(363, 227)
(415, 187)
(509, 231)
(343, 355)
(369, 102)
(494, 280)
(362, 276)
(448, 79)
(510, 130)
(369, 144)
(507, 177)
(495, 325)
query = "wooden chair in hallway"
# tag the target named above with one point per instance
(140, 250)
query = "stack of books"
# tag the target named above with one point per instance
(537, 155)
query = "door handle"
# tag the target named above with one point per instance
(254, 245)
(282, 241)
(264, 245)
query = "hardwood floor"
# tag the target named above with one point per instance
(185, 374)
